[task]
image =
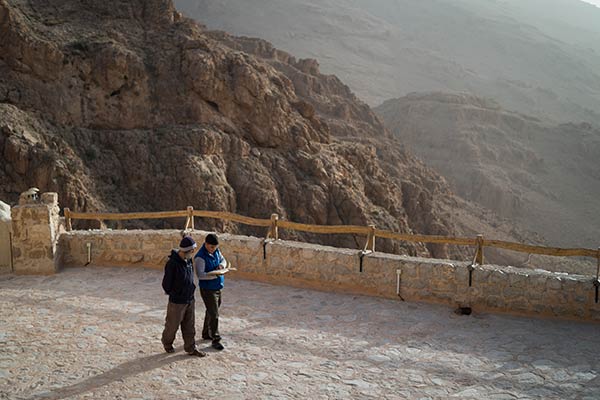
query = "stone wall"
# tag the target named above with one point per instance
(35, 232)
(5, 233)
(493, 288)
(144, 248)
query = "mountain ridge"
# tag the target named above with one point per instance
(523, 168)
(527, 61)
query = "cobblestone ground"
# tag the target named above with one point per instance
(95, 334)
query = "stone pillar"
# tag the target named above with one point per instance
(35, 223)
(5, 233)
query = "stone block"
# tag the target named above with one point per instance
(561, 310)
(595, 314)
(519, 305)
(539, 308)
(512, 292)
(415, 284)
(425, 274)
(557, 297)
(445, 297)
(461, 276)
(537, 282)
(479, 274)
(491, 289)
(50, 198)
(495, 302)
(409, 271)
(498, 277)
(554, 283)
(535, 295)
(517, 280)
(35, 227)
(442, 286)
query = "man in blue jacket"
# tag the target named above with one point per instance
(178, 283)
(209, 258)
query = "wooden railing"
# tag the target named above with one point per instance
(274, 224)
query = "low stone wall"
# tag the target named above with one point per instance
(493, 288)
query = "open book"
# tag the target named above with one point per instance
(223, 271)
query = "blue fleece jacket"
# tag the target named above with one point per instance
(206, 262)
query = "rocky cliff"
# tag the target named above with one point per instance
(129, 106)
(541, 174)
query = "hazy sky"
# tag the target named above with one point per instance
(596, 2)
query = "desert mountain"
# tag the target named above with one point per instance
(539, 57)
(128, 106)
(544, 175)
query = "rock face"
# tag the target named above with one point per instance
(546, 176)
(128, 106)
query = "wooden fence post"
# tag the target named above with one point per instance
(597, 280)
(187, 221)
(479, 254)
(190, 220)
(273, 231)
(12, 255)
(598, 267)
(371, 239)
(68, 219)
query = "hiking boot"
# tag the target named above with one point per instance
(197, 353)
(217, 346)
(170, 349)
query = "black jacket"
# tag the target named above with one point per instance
(178, 281)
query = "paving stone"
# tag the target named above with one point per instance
(360, 384)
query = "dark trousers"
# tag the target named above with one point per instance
(212, 302)
(180, 315)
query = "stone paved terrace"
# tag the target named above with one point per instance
(94, 333)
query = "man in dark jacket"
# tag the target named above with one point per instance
(178, 283)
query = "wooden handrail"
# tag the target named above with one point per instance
(408, 237)
(549, 251)
(233, 217)
(353, 229)
(368, 231)
(123, 216)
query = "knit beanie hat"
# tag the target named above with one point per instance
(187, 244)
